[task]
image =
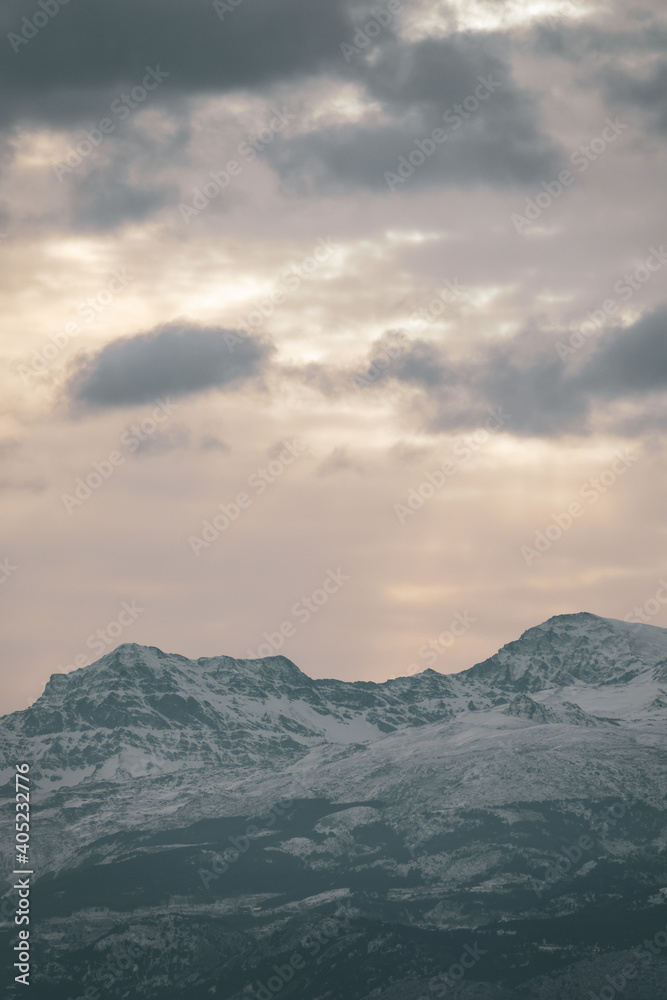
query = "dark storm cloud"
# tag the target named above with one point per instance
(104, 47)
(173, 360)
(89, 53)
(422, 87)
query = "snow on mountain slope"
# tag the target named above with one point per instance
(433, 805)
(140, 711)
(143, 737)
(478, 760)
(568, 649)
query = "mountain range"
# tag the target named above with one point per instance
(237, 829)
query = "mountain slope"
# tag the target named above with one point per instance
(221, 816)
(140, 711)
(568, 649)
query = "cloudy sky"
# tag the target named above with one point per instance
(344, 323)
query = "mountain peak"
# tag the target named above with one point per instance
(139, 710)
(574, 617)
(574, 648)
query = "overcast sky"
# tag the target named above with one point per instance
(347, 324)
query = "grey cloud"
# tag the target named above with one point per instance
(646, 89)
(177, 359)
(90, 53)
(127, 178)
(548, 398)
(104, 48)
(527, 377)
(424, 364)
(632, 361)
(610, 31)
(107, 198)
(621, 54)
(501, 141)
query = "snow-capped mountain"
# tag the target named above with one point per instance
(237, 804)
(571, 649)
(162, 710)
(140, 711)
